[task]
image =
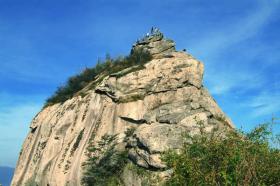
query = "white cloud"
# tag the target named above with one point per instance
(264, 104)
(224, 81)
(227, 35)
(223, 73)
(14, 121)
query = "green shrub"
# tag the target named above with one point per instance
(105, 164)
(106, 67)
(31, 182)
(77, 142)
(231, 158)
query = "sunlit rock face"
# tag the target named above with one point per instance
(161, 100)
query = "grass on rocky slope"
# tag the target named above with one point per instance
(104, 68)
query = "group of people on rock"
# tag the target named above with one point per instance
(153, 33)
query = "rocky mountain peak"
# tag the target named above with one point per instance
(155, 43)
(159, 100)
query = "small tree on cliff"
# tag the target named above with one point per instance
(104, 164)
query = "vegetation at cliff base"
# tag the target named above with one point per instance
(104, 164)
(230, 158)
(106, 67)
(221, 157)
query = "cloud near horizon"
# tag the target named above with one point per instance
(16, 112)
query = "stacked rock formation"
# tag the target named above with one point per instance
(155, 43)
(161, 101)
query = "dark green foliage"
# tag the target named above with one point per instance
(129, 133)
(139, 56)
(31, 182)
(105, 164)
(109, 66)
(77, 142)
(232, 158)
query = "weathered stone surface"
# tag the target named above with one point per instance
(157, 47)
(156, 138)
(160, 101)
(192, 120)
(159, 75)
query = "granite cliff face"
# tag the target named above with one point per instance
(160, 101)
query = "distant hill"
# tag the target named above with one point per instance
(6, 174)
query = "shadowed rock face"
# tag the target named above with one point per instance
(160, 101)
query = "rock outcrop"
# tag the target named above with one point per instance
(161, 100)
(155, 43)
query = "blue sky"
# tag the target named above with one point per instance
(44, 42)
